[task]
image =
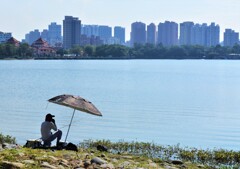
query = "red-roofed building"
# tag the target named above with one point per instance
(13, 41)
(42, 48)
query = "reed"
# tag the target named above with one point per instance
(216, 157)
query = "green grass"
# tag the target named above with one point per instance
(216, 157)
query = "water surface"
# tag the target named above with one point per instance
(191, 102)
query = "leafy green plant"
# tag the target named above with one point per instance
(7, 139)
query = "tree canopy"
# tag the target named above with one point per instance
(139, 51)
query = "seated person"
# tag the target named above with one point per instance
(46, 127)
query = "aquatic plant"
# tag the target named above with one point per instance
(217, 157)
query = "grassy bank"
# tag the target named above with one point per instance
(219, 158)
(116, 155)
(84, 158)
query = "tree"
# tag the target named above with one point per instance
(78, 50)
(10, 50)
(24, 50)
(236, 49)
(176, 52)
(88, 50)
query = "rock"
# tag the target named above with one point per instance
(102, 148)
(10, 146)
(64, 161)
(63, 164)
(149, 161)
(125, 164)
(67, 156)
(21, 154)
(47, 165)
(107, 166)
(98, 160)
(200, 166)
(53, 158)
(60, 167)
(103, 155)
(12, 165)
(114, 160)
(177, 162)
(169, 167)
(86, 163)
(153, 165)
(127, 157)
(28, 161)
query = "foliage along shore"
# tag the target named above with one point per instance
(139, 51)
(119, 155)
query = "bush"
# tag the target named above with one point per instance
(7, 139)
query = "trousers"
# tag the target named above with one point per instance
(57, 135)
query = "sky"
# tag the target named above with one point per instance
(22, 16)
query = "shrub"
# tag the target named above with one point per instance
(7, 139)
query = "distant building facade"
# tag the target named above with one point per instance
(230, 37)
(213, 35)
(54, 34)
(90, 30)
(71, 32)
(92, 40)
(138, 33)
(32, 36)
(185, 33)
(105, 33)
(151, 33)
(167, 33)
(4, 36)
(199, 34)
(119, 33)
(45, 34)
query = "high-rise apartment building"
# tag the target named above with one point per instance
(119, 33)
(167, 33)
(230, 37)
(213, 35)
(54, 33)
(151, 33)
(185, 33)
(5, 36)
(138, 33)
(71, 32)
(105, 33)
(199, 34)
(90, 30)
(44, 35)
(32, 36)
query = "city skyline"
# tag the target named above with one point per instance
(29, 15)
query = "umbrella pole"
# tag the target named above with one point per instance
(69, 125)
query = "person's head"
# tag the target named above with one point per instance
(49, 117)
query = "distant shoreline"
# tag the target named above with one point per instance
(117, 58)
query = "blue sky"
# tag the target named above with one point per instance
(22, 16)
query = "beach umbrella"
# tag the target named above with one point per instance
(77, 103)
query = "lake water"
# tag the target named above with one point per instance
(191, 102)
